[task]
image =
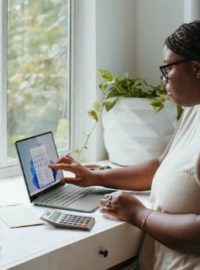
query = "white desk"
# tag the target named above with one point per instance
(47, 248)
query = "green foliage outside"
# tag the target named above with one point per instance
(37, 69)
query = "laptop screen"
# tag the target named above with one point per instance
(35, 153)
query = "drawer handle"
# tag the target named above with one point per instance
(104, 253)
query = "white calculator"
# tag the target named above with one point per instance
(65, 220)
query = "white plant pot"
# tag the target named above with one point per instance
(134, 133)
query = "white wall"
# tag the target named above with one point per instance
(155, 21)
(191, 10)
(115, 35)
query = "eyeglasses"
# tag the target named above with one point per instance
(165, 68)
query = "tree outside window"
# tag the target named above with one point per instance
(38, 57)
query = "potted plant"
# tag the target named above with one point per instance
(134, 131)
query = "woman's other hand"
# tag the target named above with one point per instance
(123, 206)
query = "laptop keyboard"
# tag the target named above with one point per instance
(64, 195)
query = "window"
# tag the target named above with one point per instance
(35, 79)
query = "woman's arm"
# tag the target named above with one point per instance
(177, 231)
(138, 177)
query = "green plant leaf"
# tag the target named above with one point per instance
(158, 103)
(104, 86)
(106, 75)
(97, 106)
(93, 114)
(114, 93)
(110, 103)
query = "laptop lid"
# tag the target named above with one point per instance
(35, 153)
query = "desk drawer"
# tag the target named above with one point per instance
(96, 252)
(100, 251)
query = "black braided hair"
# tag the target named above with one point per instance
(185, 40)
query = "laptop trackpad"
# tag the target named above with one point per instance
(89, 203)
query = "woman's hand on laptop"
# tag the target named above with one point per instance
(82, 175)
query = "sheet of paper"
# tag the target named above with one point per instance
(18, 216)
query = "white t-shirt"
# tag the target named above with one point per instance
(176, 189)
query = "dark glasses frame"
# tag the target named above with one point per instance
(164, 69)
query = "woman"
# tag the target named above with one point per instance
(172, 226)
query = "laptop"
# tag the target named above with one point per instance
(43, 184)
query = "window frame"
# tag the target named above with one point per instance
(3, 79)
